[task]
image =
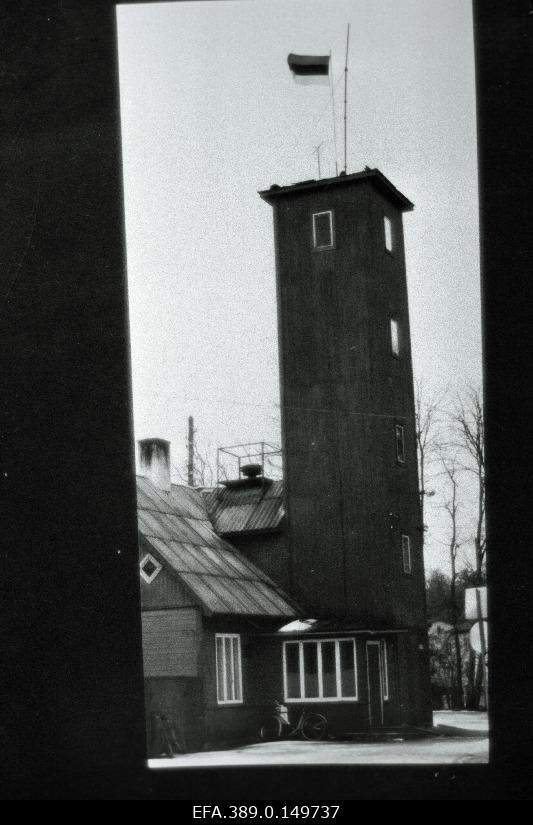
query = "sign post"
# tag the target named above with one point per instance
(476, 608)
(483, 647)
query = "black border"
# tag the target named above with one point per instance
(69, 729)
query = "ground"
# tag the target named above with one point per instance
(462, 738)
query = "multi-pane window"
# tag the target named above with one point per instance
(400, 443)
(394, 336)
(320, 671)
(387, 225)
(229, 668)
(150, 567)
(323, 230)
(406, 554)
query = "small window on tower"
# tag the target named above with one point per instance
(400, 444)
(406, 554)
(323, 230)
(394, 336)
(388, 233)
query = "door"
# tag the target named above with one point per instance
(375, 684)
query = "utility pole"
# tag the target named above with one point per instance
(190, 453)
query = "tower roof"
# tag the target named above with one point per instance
(376, 177)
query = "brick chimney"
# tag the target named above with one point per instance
(154, 462)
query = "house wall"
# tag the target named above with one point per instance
(165, 591)
(353, 716)
(171, 642)
(262, 673)
(180, 700)
(260, 664)
(269, 551)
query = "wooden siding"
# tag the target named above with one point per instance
(269, 551)
(181, 701)
(171, 642)
(165, 591)
(342, 393)
(261, 665)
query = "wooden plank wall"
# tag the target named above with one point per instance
(342, 393)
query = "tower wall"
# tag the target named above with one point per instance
(343, 392)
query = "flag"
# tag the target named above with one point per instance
(309, 69)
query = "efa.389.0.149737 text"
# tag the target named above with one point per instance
(265, 812)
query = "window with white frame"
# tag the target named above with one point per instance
(150, 567)
(229, 668)
(387, 224)
(406, 554)
(394, 336)
(323, 230)
(400, 444)
(385, 670)
(323, 670)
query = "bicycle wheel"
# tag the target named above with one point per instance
(314, 727)
(271, 729)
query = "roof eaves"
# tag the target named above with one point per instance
(375, 175)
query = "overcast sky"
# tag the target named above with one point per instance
(211, 114)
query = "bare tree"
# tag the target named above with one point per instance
(451, 506)
(204, 475)
(427, 421)
(470, 431)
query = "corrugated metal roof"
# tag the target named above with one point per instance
(178, 529)
(245, 509)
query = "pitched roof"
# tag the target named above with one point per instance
(177, 526)
(245, 508)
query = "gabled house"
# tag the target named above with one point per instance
(204, 608)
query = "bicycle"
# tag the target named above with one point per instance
(311, 726)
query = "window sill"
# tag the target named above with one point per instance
(230, 704)
(322, 700)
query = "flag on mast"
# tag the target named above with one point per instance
(309, 69)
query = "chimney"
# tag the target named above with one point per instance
(251, 476)
(154, 462)
(251, 470)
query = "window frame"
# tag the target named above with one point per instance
(399, 428)
(158, 567)
(406, 544)
(388, 234)
(331, 230)
(385, 685)
(394, 333)
(225, 701)
(338, 678)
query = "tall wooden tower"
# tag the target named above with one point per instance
(350, 465)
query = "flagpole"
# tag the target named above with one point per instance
(346, 91)
(333, 113)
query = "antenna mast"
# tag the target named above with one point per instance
(316, 151)
(345, 91)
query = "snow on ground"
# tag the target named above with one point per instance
(432, 750)
(465, 719)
